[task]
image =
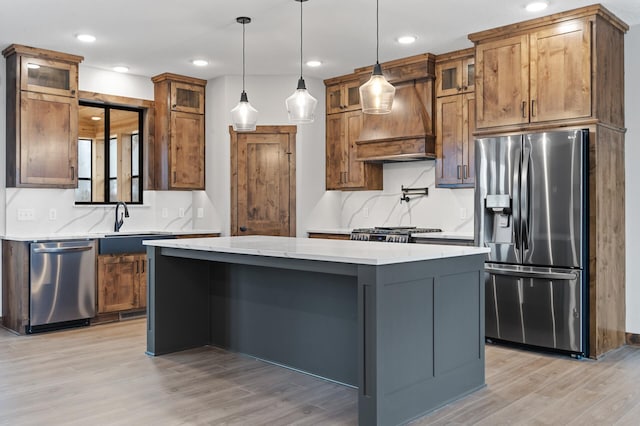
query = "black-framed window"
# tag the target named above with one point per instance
(85, 162)
(110, 147)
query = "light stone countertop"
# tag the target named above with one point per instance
(97, 235)
(342, 251)
(343, 231)
(449, 235)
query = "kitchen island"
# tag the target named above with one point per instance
(404, 323)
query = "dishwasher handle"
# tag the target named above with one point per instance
(62, 250)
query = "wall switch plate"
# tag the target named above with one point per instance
(26, 215)
(164, 213)
(181, 212)
(200, 212)
(53, 214)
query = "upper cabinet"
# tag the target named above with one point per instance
(456, 75)
(343, 127)
(455, 119)
(564, 67)
(42, 118)
(343, 94)
(178, 156)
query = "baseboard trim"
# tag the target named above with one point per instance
(632, 339)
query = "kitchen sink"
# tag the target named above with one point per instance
(117, 243)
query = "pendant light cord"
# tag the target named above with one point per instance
(377, 30)
(301, 39)
(243, 66)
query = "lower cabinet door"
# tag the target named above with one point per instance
(119, 282)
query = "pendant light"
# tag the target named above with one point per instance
(301, 106)
(244, 117)
(376, 95)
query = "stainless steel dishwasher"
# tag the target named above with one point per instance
(62, 284)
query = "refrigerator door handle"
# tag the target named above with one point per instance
(516, 204)
(527, 274)
(525, 195)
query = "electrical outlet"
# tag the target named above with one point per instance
(181, 212)
(26, 215)
(53, 214)
(165, 213)
(200, 212)
(365, 212)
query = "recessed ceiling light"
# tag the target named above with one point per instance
(96, 118)
(314, 64)
(200, 62)
(87, 38)
(407, 39)
(537, 6)
(121, 69)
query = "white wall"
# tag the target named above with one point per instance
(267, 94)
(632, 177)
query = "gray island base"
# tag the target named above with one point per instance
(404, 323)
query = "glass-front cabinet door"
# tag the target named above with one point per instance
(455, 77)
(187, 98)
(51, 77)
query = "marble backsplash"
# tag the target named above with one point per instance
(448, 209)
(53, 211)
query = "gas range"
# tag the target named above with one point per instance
(389, 234)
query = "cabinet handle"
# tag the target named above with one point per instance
(73, 92)
(459, 88)
(174, 177)
(533, 107)
(459, 167)
(73, 173)
(142, 264)
(137, 267)
(464, 172)
(464, 87)
(524, 106)
(173, 106)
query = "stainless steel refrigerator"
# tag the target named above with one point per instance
(531, 199)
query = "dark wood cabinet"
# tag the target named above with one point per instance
(455, 73)
(455, 161)
(343, 94)
(549, 71)
(122, 282)
(455, 120)
(42, 118)
(179, 151)
(343, 127)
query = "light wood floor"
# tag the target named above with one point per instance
(100, 375)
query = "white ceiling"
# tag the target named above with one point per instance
(156, 36)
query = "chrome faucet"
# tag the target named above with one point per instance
(119, 223)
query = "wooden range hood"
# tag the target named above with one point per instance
(407, 133)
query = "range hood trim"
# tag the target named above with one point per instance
(421, 143)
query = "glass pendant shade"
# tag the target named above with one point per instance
(243, 116)
(376, 95)
(301, 106)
